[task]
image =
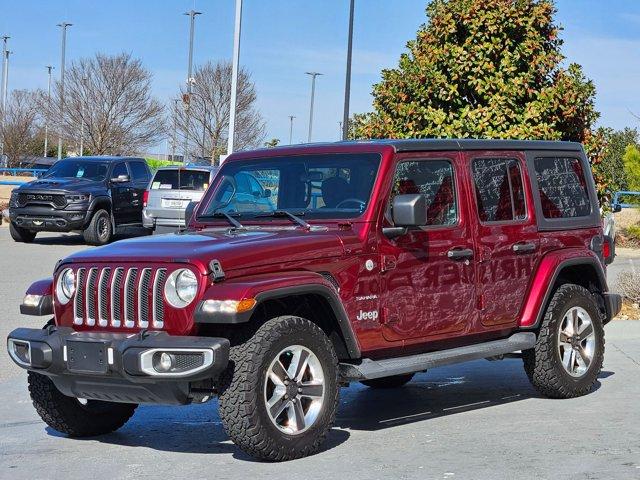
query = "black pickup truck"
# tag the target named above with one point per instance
(94, 195)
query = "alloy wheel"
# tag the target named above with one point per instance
(576, 341)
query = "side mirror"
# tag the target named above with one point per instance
(188, 212)
(266, 193)
(616, 207)
(120, 179)
(407, 211)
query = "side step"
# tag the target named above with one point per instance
(369, 369)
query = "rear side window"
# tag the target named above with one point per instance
(434, 180)
(562, 187)
(499, 189)
(139, 171)
(196, 180)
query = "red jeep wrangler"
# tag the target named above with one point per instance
(306, 268)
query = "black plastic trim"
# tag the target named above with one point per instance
(44, 307)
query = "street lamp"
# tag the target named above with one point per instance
(3, 87)
(192, 17)
(347, 82)
(234, 76)
(63, 52)
(313, 94)
(46, 117)
(291, 117)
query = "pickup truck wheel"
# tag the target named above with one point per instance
(279, 395)
(569, 351)
(395, 381)
(99, 230)
(20, 234)
(72, 416)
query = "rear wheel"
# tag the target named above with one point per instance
(20, 234)
(280, 393)
(99, 230)
(73, 416)
(569, 351)
(395, 381)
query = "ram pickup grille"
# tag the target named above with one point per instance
(119, 297)
(55, 200)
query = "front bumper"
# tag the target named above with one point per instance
(118, 367)
(41, 218)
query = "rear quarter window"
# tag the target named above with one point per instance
(562, 187)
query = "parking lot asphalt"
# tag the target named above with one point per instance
(479, 420)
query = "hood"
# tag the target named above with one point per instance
(241, 249)
(79, 185)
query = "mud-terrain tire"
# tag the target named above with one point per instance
(99, 231)
(68, 415)
(395, 381)
(20, 234)
(545, 365)
(246, 388)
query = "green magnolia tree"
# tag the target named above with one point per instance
(631, 161)
(484, 69)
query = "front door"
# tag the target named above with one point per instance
(122, 196)
(507, 240)
(428, 274)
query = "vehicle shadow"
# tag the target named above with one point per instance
(444, 391)
(71, 239)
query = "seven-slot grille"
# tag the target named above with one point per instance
(119, 297)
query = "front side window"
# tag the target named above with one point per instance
(119, 169)
(562, 187)
(314, 186)
(499, 189)
(433, 179)
(70, 168)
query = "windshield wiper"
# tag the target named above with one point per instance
(284, 213)
(221, 214)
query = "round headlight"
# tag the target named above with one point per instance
(66, 286)
(181, 288)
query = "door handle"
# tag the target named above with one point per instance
(459, 253)
(523, 247)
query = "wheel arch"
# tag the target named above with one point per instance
(102, 202)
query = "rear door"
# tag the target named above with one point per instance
(140, 176)
(507, 241)
(171, 190)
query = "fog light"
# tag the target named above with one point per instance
(20, 352)
(31, 300)
(162, 362)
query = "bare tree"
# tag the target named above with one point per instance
(22, 127)
(108, 98)
(210, 105)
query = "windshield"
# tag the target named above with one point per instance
(314, 186)
(78, 169)
(178, 179)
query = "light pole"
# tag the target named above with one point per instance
(291, 117)
(347, 82)
(313, 94)
(3, 86)
(234, 76)
(46, 117)
(340, 131)
(82, 110)
(5, 39)
(63, 52)
(192, 17)
(175, 129)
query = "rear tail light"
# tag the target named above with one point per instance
(608, 250)
(145, 198)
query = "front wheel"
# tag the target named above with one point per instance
(75, 417)
(569, 351)
(20, 234)
(99, 230)
(279, 394)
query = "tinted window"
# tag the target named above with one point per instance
(69, 168)
(139, 171)
(316, 186)
(433, 179)
(177, 179)
(562, 187)
(499, 192)
(119, 169)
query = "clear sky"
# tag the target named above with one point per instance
(281, 39)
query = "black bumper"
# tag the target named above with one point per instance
(118, 367)
(613, 303)
(49, 219)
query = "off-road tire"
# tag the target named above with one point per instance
(99, 231)
(20, 234)
(67, 415)
(395, 381)
(242, 405)
(543, 363)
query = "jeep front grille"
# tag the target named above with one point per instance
(119, 296)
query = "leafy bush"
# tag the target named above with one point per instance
(155, 164)
(629, 286)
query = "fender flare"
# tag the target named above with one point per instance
(100, 199)
(43, 292)
(533, 310)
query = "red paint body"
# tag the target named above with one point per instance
(422, 296)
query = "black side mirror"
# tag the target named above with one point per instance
(407, 211)
(188, 212)
(121, 179)
(266, 193)
(616, 207)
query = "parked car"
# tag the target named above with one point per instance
(169, 193)
(93, 195)
(625, 199)
(378, 260)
